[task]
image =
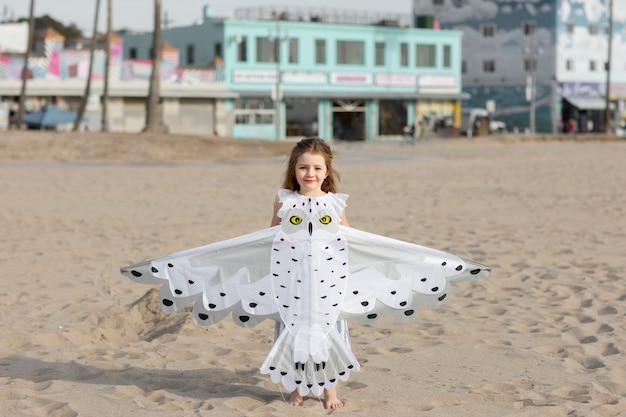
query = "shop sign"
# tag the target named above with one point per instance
(254, 76)
(579, 90)
(395, 80)
(437, 81)
(303, 77)
(350, 78)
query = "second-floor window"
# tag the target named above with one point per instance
(489, 66)
(488, 30)
(242, 49)
(593, 29)
(133, 53)
(464, 67)
(529, 27)
(320, 51)
(379, 53)
(592, 66)
(191, 56)
(404, 54)
(293, 51)
(447, 56)
(425, 55)
(350, 52)
(530, 65)
(569, 65)
(267, 49)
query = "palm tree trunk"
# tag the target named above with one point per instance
(104, 123)
(29, 47)
(154, 122)
(92, 49)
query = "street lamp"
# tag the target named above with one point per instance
(607, 103)
(277, 92)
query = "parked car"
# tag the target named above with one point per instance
(497, 126)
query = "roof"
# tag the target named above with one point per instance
(114, 38)
(50, 34)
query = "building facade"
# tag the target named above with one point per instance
(267, 74)
(301, 74)
(538, 63)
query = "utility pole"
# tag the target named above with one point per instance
(607, 103)
(532, 77)
(278, 94)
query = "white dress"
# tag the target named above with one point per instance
(309, 273)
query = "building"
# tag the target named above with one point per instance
(343, 74)
(546, 55)
(268, 73)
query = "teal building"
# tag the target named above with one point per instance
(344, 75)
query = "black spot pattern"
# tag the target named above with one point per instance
(167, 302)
(136, 273)
(203, 316)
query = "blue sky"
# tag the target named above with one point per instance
(137, 14)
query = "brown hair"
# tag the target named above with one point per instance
(317, 146)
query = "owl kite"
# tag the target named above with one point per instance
(307, 273)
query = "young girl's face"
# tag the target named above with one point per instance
(311, 171)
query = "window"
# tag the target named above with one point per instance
(293, 51)
(320, 51)
(350, 52)
(592, 65)
(438, 2)
(530, 65)
(569, 65)
(217, 49)
(380, 53)
(529, 27)
(593, 29)
(242, 49)
(190, 54)
(570, 28)
(267, 49)
(404, 55)
(489, 66)
(425, 55)
(133, 53)
(253, 111)
(464, 67)
(607, 29)
(488, 30)
(447, 56)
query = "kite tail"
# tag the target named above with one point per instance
(310, 360)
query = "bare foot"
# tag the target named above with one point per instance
(296, 399)
(331, 400)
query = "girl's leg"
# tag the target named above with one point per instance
(331, 400)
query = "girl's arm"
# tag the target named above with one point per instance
(344, 219)
(275, 218)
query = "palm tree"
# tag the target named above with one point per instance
(92, 49)
(29, 47)
(154, 122)
(104, 123)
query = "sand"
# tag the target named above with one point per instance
(542, 336)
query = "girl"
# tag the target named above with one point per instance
(309, 271)
(310, 173)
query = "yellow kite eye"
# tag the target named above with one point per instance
(325, 219)
(295, 220)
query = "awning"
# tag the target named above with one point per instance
(587, 103)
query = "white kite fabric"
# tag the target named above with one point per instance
(308, 273)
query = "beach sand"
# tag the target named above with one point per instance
(542, 336)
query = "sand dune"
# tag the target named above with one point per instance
(542, 336)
